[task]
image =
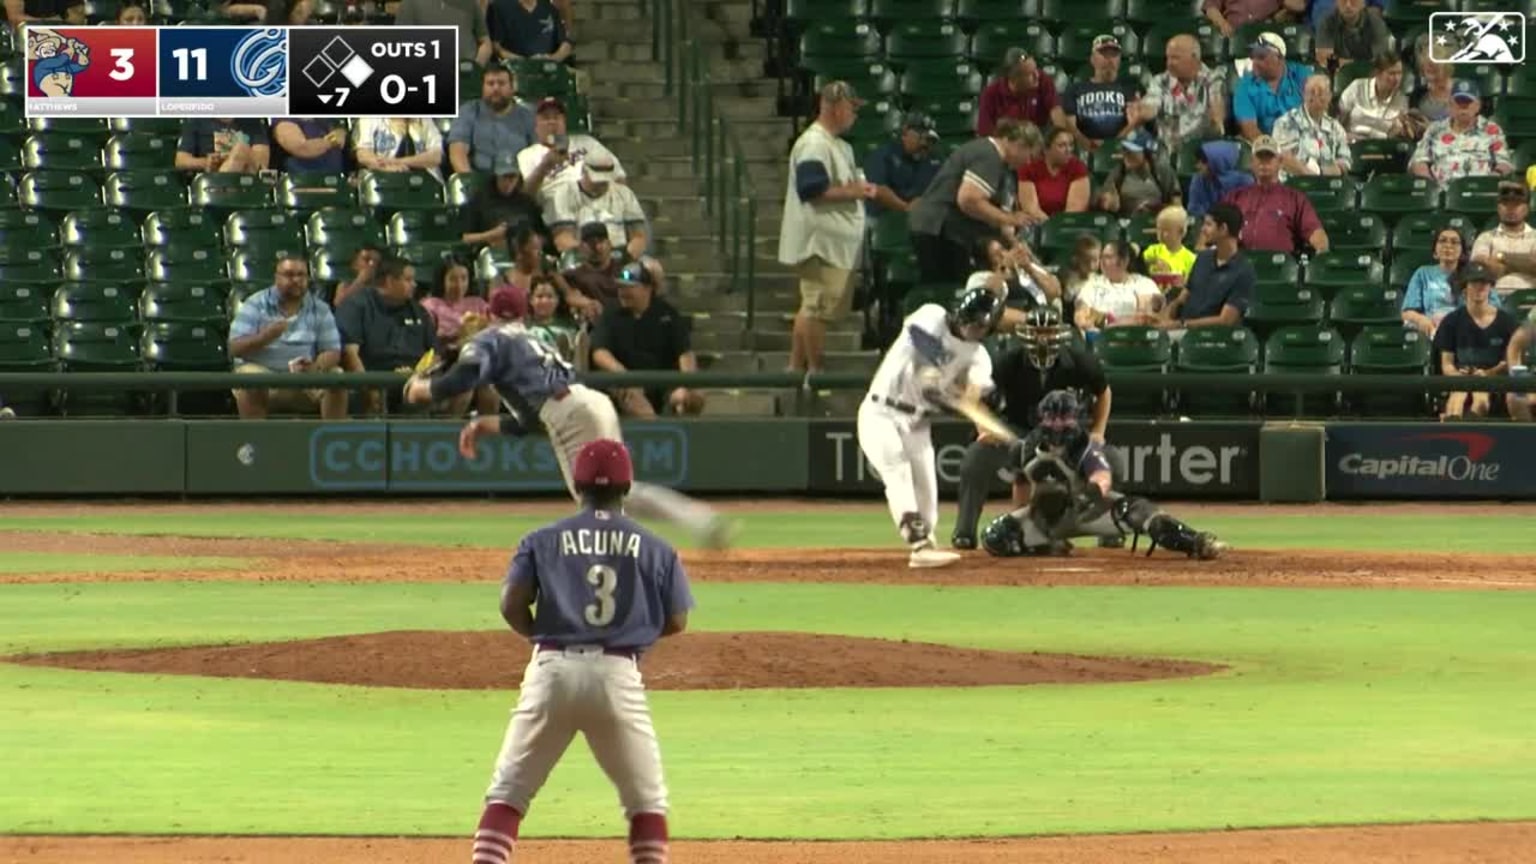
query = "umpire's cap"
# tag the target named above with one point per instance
(602, 464)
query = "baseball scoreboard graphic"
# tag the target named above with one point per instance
(242, 71)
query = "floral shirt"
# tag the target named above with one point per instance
(1316, 142)
(1183, 111)
(1477, 152)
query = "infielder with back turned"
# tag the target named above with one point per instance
(539, 390)
(606, 589)
(936, 360)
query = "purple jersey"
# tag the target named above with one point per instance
(600, 579)
(525, 372)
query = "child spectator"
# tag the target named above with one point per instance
(1169, 260)
(1082, 265)
(545, 321)
(1216, 175)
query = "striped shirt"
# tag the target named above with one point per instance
(312, 332)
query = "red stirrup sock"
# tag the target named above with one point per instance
(497, 834)
(648, 839)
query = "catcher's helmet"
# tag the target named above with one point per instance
(1057, 417)
(1003, 537)
(977, 306)
(1044, 335)
(602, 464)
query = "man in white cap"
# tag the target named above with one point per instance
(1276, 217)
(1463, 144)
(596, 197)
(1272, 87)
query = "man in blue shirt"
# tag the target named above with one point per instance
(493, 124)
(1105, 106)
(902, 167)
(285, 328)
(527, 29)
(606, 590)
(1272, 87)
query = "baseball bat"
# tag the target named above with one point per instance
(985, 419)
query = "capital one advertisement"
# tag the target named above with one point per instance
(1426, 461)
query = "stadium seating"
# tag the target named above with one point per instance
(1216, 350)
(1309, 350)
(1389, 350)
(1277, 305)
(1136, 349)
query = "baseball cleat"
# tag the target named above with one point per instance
(1208, 547)
(927, 558)
(963, 541)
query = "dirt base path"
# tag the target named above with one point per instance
(1479, 843)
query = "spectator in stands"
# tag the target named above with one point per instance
(1311, 142)
(287, 12)
(1522, 406)
(501, 208)
(527, 29)
(1350, 33)
(1432, 293)
(822, 232)
(224, 144)
(285, 328)
(450, 300)
(1509, 249)
(1116, 296)
(1272, 87)
(1013, 273)
(365, 267)
(490, 125)
(528, 261)
(240, 11)
(396, 144)
(1056, 182)
(1463, 144)
(384, 329)
(644, 332)
(595, 197)
(902, 167)
(1222, 282)
(1376, 106)
(311, 145)
(467, 15)
(1186, 100)
(132, 15)
(1228, 15)
(1474, 340)
(1142, 181)
(1216, 176)
(1105, 106)
(1276, 217)
(1318, 11)
(593, 283)
(545, 322)
(1169, 260)
(1020, 92)
(1081, 267)
(554, 158)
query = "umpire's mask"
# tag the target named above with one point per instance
(1044, 335)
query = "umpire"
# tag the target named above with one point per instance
(972, 198)
(1045, 358)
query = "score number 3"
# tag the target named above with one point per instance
(122, 67)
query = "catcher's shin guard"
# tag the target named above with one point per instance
(1140, 516)
(1013, 535)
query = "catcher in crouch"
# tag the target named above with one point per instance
(1070, 496)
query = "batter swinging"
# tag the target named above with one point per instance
(1070, 495)
(606, 590)
(937, 358)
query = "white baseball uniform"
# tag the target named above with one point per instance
(894, 417)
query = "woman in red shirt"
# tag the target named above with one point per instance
(1057, 182)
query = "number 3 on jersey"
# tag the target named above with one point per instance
(604, 581)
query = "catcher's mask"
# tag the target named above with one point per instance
(975, 316)
(1058, 418)
(1044, 335)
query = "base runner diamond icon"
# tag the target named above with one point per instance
(1474, 38)
(357, 70)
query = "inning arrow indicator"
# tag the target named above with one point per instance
(325, 97)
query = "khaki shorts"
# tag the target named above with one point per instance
(286, 400)
(824, 290)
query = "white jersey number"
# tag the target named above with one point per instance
(604, 580)
(547, 353)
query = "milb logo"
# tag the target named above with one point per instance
(1470, 466)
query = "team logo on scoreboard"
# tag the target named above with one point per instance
(56, 60)
(260, 63)
(1477, 37)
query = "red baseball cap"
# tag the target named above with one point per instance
(509, 303)
(602, 464)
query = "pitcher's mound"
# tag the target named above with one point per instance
(491, 660)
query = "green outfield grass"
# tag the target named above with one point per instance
(69, 562)
(856, 525)
(1339, 706)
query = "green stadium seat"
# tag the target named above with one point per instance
(889, 235)
(1518, 119)
(993, 39)
(1410, 12)
(305, 193)
(343, 231)
(845, 40)
(1520, 86)
(952, 118)
(979, 13)
(1309, 350)
(164, 128)
(1347, 74)
(138, 151)
(428, 257)
(803, 12)
(1379, 156)
(41, 270)
(1402, 267)
(891, 12)
(1355, 232)
(422, 226)
(183, 302)
(255, 264)
(264, 234)
(1136, 349)
(921, 40)
(1359, 306)
(89, 301)
(144, 191)
(25, 236)
(10, 156)
(1520, 301)
(1391, 195)
(463, 186)
(99, 229)
(228, 192)
(1525, 155)
(60, 151)
(1389, 350)
(24, 304)
(24, 347)
(386, 194)
(183, 229)
(490, 263)
(1277, 305)
(1216, 350)
(1060, 232)
(13, 80)
(938, 80)
(329, 264)
(1147, 13)
(537, 79)
(1341, 268)
(94, 346)
(58, 191)
(13, 123)
(1213, 45)
(1415, 232)
(1276, 268)
(182, 264)
(184, 346)
(1075, 42)
(93, 129)
(119, 267)
(1327, 193)
(1472, 196)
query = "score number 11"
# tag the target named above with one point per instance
(185, 57)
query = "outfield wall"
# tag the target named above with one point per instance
(1231, 460)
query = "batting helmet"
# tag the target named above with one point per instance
(1058, 417)
(977, 306)
(602, 464)
(1044, 335)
